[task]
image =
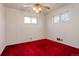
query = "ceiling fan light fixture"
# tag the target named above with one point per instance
(37, 11)
(34, 8)
(40, 9)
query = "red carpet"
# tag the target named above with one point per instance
(42, 47)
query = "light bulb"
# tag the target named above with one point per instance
(39, 9)
(34, 8)
(36, 11)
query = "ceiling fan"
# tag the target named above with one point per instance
(38, 7)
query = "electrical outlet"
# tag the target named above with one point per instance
(59, 39)
(30, 38)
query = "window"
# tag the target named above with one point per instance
(27, 20)
(64, 17)
(61, 18)
(56, 19)
(30, 20)
(34, 20)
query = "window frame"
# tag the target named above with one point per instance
(61, 16)
(31, 20)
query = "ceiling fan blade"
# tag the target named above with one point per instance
(44, 6)
(27, 5)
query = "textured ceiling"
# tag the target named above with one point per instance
(20, 6)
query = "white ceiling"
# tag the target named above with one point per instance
(20, 6)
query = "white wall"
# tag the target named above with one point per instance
(2, 28)
(68, 31)
(17, 31)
